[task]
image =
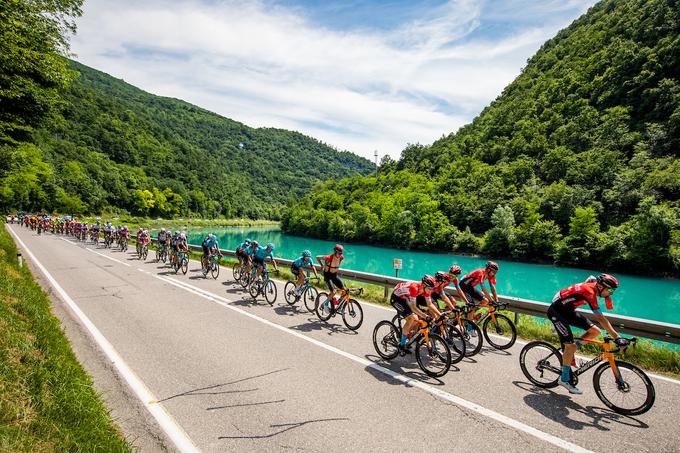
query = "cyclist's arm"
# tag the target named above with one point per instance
(495, 294)
(314, 269)
(318, 259)
(274, 263)
(461, 294)
(604, 322)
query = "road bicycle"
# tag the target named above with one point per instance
(351, 311)
(142, 250)
(213, 266)
(182, 262)
(264, 285)
(621, 386)
(161, 253)
(238, 269)
(432, 353)
(450, 333)
(108, 240)
(123, 244)
(499, 331)
(306, 292)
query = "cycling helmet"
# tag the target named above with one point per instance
(212, 236)
(182, 236)
(492, 265)
(271, 246)
(455, 270)
(162, 230)
(247, 241)
(338, 248)
(306, 253)
(255, 243)
(441, 277)
(608, 281)
(428, 281)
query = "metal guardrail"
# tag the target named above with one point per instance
(638, 327)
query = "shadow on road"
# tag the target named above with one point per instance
(316, 325)
(211, 389)
(558, 408)
(406, 366)
(285, 427)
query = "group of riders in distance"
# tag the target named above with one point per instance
(428, 319)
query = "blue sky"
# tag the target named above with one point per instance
(359, 75)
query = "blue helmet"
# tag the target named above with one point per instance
(247, 241)
(212, 236)
(306, 253)
(271, 246)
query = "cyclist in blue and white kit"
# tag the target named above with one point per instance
(209, 246)
(298, 269)
(262, 253)
(240, 250)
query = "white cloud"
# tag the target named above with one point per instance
(271, 67)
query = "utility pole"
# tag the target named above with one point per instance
(376, 163)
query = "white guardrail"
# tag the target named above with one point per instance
(638, 327)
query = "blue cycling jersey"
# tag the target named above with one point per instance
(210, 242)
(303, 261)
(248, 251)
(243, 245)
(261, 253)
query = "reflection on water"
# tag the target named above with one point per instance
(657, 299)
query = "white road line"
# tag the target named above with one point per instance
(164, 419)
(515, 424)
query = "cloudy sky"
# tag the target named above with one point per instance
(359, 75)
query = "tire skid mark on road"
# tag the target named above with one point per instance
(410, 382)
(164, 419)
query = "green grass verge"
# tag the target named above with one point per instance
(47, 402)
(649, 355)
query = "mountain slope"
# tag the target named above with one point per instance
(576, 161)
(118, 146)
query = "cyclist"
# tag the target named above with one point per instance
(143, 238)
(162, 236)
(330, 265)
(413, 300)
(240, 249)
(209, 246)
(478, 277)
(298, 269)
(562, 313)
(174, 253)
(443, 280)
(261, 254)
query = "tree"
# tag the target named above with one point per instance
(498, 241)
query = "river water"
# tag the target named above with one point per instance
(650, 298)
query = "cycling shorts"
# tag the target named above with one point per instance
(472, 294)
(206, 250)
(564, 319)
(295, 270)
(421, 303)
(332, 280)
(258, 263)
(401, 305)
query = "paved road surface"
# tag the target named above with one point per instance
(233, 374)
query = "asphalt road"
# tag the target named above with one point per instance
(230, 373)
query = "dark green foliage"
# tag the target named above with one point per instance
(581, 150)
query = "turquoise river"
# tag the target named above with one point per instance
(642, 297)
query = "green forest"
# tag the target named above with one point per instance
(576, 162)
(77, 140)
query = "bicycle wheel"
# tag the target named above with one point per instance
(246, 278)
(541, 363)
(310, 296)
(185, 265)
(145, 253)
(500, 334)
(289, 293)
(471, 335)
(456, 344)
(254, 289)
(433, 358)
(215, 271)
(270, 292)
(323, 308)
(398, 322)
(629, 393)
(158, 255)
(386, 340)
(353, 315)
(236, 271)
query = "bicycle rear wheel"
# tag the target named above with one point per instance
(501, 333)
(386, 340)
(145, 253)
(433, 358)
(541, 363)
(323, 308)
(289, 293)
(245, 279)
(353, 315)
(310, 296)
(456, 344)
(254, 289)
(270, 292)
(471, 335)
(215, 271)
(236, 271)
(628, 392)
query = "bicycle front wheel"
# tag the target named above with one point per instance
(629, 391)
(386, 340)
(145, 253)
(499, 332)
(323, 307)
(456, 344)
(185, 265)
(289, 293)
(270, 292)
(236, 271)
(353, 315)
(310, 297)
(245, 279)
(541, 363)
(433, 356)
(471, 335)
(254, 289)
(215, 271)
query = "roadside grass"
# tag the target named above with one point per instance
(47, 402)
(647, 354)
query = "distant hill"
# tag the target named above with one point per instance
(118, 146)
(576, 161)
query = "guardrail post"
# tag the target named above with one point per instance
(516, 318)
(387, 291)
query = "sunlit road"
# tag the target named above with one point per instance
(235, 374)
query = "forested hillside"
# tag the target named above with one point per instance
(576, 161)
(115, 146)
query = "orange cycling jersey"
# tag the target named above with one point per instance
(478, 277)
(579, 294)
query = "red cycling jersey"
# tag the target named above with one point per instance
(448, 280)
(410, 290)
(579, 294)
(478, 277)
(328, 260)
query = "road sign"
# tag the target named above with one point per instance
(397, 264)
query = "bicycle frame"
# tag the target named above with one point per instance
(607, 354)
